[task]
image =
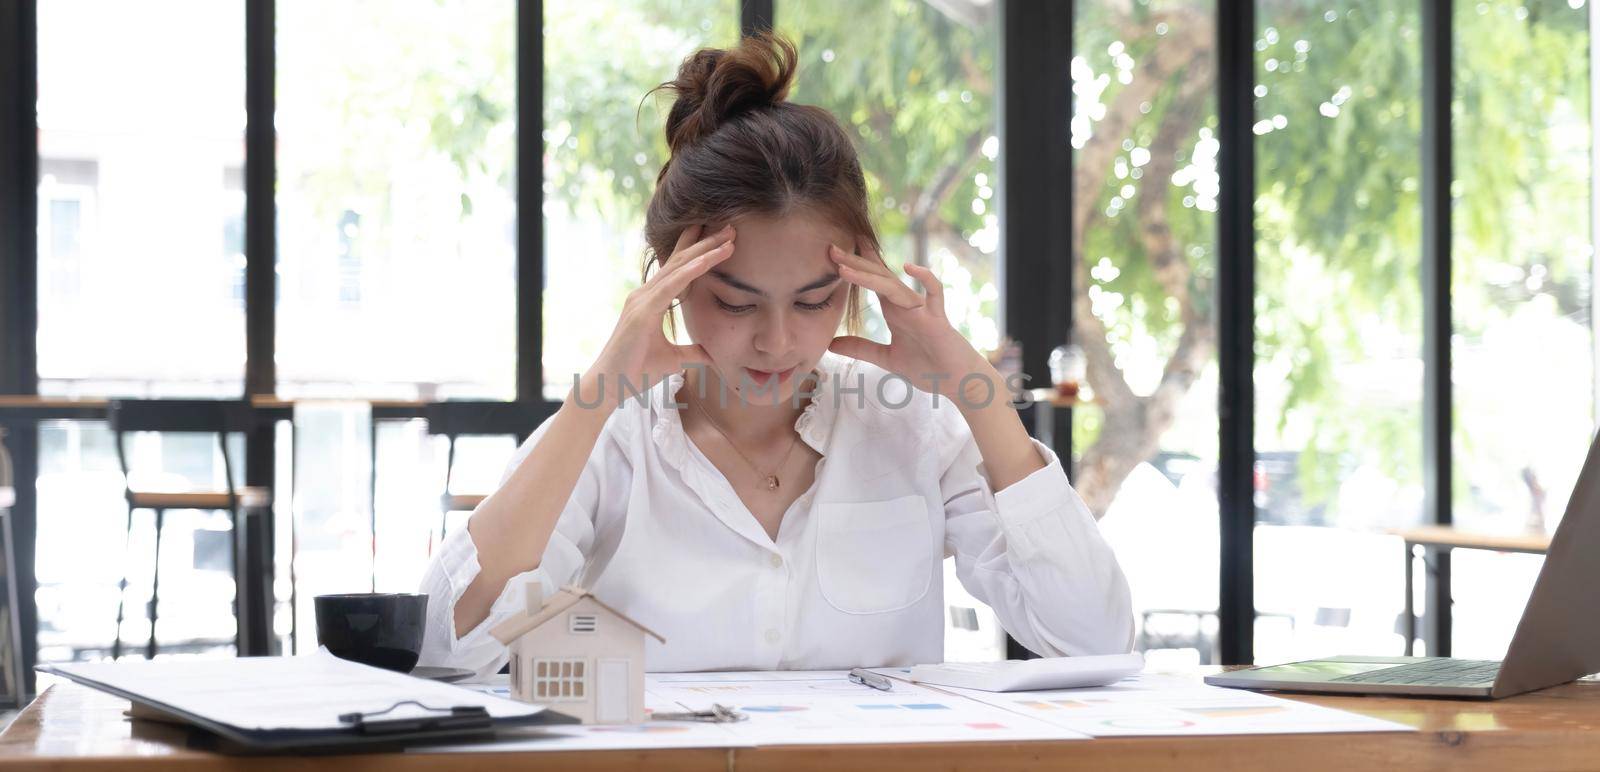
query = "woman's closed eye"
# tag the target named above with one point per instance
(733, 309)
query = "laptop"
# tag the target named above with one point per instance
(1558, 639)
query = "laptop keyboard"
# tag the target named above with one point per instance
(1436, 672)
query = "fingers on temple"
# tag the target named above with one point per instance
(684, 254)
(888, 287)
(672, 282)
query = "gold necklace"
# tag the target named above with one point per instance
(770, 478)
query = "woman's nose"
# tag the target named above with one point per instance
(773, 335)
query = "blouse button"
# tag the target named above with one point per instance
(776, 560)
(773, 636)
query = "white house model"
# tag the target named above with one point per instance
(577, 655)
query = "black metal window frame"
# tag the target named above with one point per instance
(1235, 287)
(19, 310)
(1035, 193)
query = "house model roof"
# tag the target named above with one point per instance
(565, 598)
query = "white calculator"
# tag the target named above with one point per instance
(1017, 675)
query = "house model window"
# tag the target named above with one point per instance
(582, 623)
(556, 680)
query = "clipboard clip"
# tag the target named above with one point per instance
(454, 718)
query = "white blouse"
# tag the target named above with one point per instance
(855, 575)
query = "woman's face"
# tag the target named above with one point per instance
(769, 311)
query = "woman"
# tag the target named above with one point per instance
(772, 496)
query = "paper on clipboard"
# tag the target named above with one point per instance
(263, 694)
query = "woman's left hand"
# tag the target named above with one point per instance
(923, 346)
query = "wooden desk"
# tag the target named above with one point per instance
(27, 407)
(23, 408)
(1447, 536)
(1049, 396)
(70, 726)
(1444, 538)
(1047, 424)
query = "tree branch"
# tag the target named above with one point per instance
(930, 199)
(1132, 427)
(1168, 262)
(1188, 36)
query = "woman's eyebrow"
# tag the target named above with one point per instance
(723, 276)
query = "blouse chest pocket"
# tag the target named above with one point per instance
(874, 556)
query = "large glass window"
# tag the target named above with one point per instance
(1144, 230)
(1522, 293)
(1338, 371)
(396, 210)
(923, 112)
(397, 278)
(141, 128)
(604, 144)
(140, 272)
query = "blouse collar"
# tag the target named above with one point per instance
(814, 425)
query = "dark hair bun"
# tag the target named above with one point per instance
(716, 85)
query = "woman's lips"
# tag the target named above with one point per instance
(761, 377)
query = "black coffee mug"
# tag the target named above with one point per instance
(379, 629)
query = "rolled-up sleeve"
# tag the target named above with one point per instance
(1034, 554)
(455, 565)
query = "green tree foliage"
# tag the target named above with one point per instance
(1338, 211)
(915, 82)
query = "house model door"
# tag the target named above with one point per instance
(611, 692)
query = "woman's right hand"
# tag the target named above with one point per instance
(638, 350)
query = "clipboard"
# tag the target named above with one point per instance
(348, 706)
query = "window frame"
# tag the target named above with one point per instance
(569, 686)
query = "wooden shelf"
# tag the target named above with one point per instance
(1050, 397)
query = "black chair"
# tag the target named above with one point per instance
(218, 417)
(456, 419)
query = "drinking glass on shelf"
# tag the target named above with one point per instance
(1068, 367)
